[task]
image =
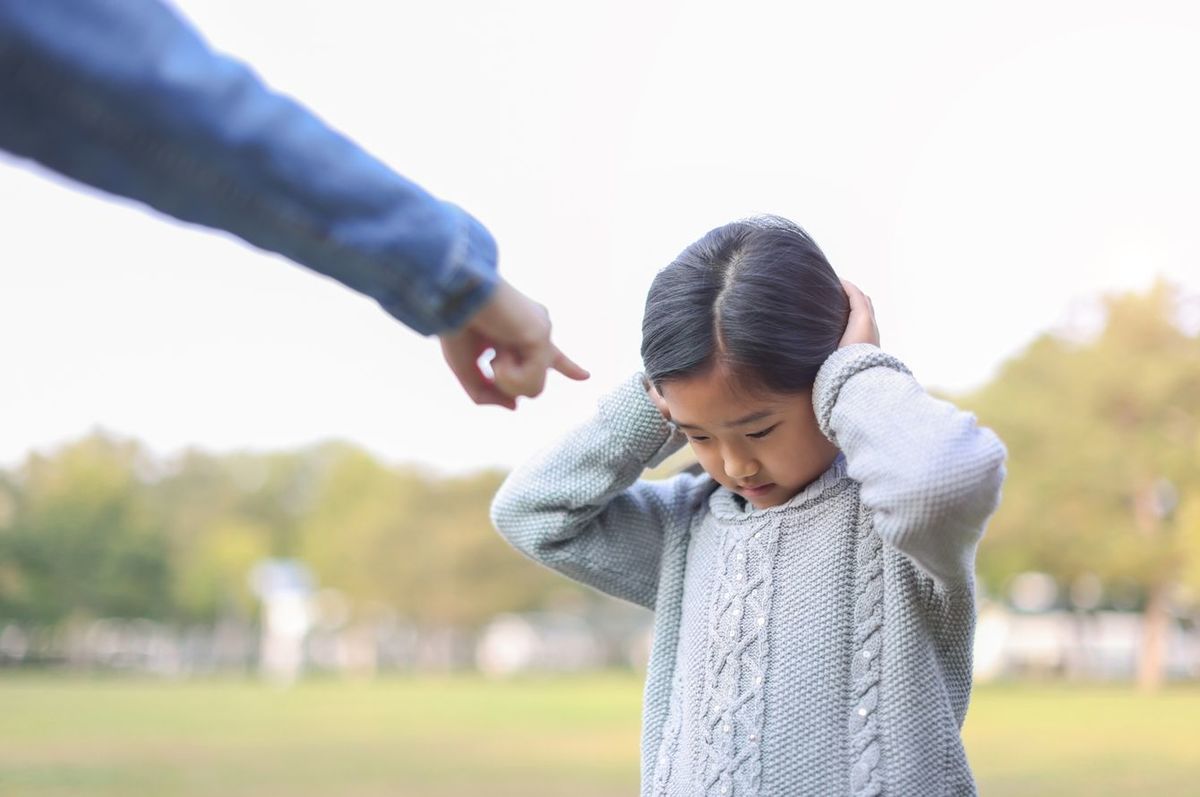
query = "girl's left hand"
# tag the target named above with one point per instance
(861, 327)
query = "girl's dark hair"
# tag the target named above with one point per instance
(757, 296)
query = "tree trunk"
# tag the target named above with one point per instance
(1156, 624)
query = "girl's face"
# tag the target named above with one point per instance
(764, 447)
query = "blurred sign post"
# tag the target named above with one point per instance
(285, 587)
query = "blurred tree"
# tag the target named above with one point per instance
(1103, 471)
(398, 538)
(80, 538)
(100, 529)
(221, 515)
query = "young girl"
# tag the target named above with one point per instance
(814, 590)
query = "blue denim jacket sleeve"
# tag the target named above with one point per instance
(123, 95)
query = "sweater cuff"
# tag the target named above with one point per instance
(837, 370)
(629, 410)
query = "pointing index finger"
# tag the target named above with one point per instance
(568, 367)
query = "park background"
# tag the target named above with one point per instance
(188, 421)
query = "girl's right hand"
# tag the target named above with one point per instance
(861, 327)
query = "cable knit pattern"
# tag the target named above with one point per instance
(865, 779)
(662, 770)
(819, 647)
(737, 657)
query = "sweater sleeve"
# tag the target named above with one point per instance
(929, 473)
(580, 509)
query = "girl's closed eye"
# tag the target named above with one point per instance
(763, 433)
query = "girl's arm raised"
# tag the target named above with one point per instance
(580, 509)
(928, 472)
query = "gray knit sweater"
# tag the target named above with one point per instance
(819, 647)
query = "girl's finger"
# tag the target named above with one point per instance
(858, 299)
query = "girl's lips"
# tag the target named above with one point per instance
(761, 489)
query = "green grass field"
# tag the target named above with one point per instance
(578, 737)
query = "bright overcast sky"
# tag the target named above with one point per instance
(981, 169)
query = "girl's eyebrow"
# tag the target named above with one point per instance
(751, 418)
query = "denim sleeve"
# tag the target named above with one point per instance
(123, 95)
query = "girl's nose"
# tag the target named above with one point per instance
(740, 468)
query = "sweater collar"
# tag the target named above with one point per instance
(730, 506)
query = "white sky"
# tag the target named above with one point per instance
(981, 169)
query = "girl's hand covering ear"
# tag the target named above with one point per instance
(861, 327)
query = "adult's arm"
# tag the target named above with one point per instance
(125, 96)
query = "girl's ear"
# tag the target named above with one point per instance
(656, 397)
